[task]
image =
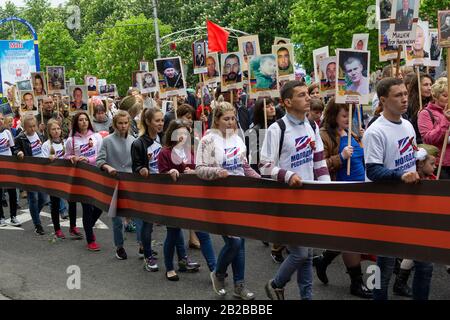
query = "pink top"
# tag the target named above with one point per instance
(434, 133)
(87, 145)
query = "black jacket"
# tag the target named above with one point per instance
(23, 144)
(139, 152)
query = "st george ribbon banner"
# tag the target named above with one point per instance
(390, 219)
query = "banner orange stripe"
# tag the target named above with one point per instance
(58, 186)
(402, 235)
(376, 201)
(66, 171)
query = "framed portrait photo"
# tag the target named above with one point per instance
(212, 74)
(444, 28)
(147, 82)
(231, 71)
(78, 98)
(248, 47)
(199, 56)
(92, 85)
(263, 71)
(56, 82)
(285, 61)
(171, 80)
(352, 82)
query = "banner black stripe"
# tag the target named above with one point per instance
(380, 217)
(60, 194)
(425, 187)
(79, 181)
(420, 253)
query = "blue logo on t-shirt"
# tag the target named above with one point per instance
(4, 144)
(302, 142)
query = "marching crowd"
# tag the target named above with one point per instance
(306, 139)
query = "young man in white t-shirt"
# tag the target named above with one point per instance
(300, 157)
(6, 145)
(29, 143)
(389, 147)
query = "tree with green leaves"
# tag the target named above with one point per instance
(121, 47)
(57, 47)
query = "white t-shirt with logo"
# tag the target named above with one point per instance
(58, 148)
(391, 144)
(227, 153)
(36, 145)
(152, 154)
(6, 142)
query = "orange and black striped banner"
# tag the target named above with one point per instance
(394, 219)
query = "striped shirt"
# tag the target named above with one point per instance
(301, 154)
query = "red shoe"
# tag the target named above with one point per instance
(93, 246)
(59, 234)
(75, 233)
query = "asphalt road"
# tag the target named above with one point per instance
(35, 267)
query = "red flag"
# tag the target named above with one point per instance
(217, 37)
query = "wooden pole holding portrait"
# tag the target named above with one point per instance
(399, 56)
(419, 85)
(265, 114)
(445, 143)
(349, 143)
(392, 68)
(175, 106)
(358, 109)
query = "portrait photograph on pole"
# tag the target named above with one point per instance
(78, 98)
(360, 41)
(212, 74)
(39, 82)
(199, 56)
(352, 83)
(147, 82)
(56, 80)
(444, 28)
(419, 52)
(328, 71)
(404, 18)
(170, 77)
(231, 71)
(318, 55)
(435, 48)
(263, 71)
(248, 47)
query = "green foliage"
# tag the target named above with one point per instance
(116, 34)
(57, 47)
(329, 23)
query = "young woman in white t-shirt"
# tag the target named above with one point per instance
(53, 149)
(222, 153)
(6, 143)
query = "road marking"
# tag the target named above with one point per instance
(25, 217)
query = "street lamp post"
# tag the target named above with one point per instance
(155, 20)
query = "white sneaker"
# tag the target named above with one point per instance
(14, 222)
(2, 222)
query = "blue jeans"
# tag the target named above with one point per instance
(146, 238)
(138, 223)
(36, 201)
(118, 231)
(300, 260)
(232, 253)
(207, 249)
(62, 207)
(174, 239)
(421, 282)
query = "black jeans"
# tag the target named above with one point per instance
(56, 202)
(12, 203)
(90, 217)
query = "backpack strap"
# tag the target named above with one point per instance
(282, 126)
(431, 115)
